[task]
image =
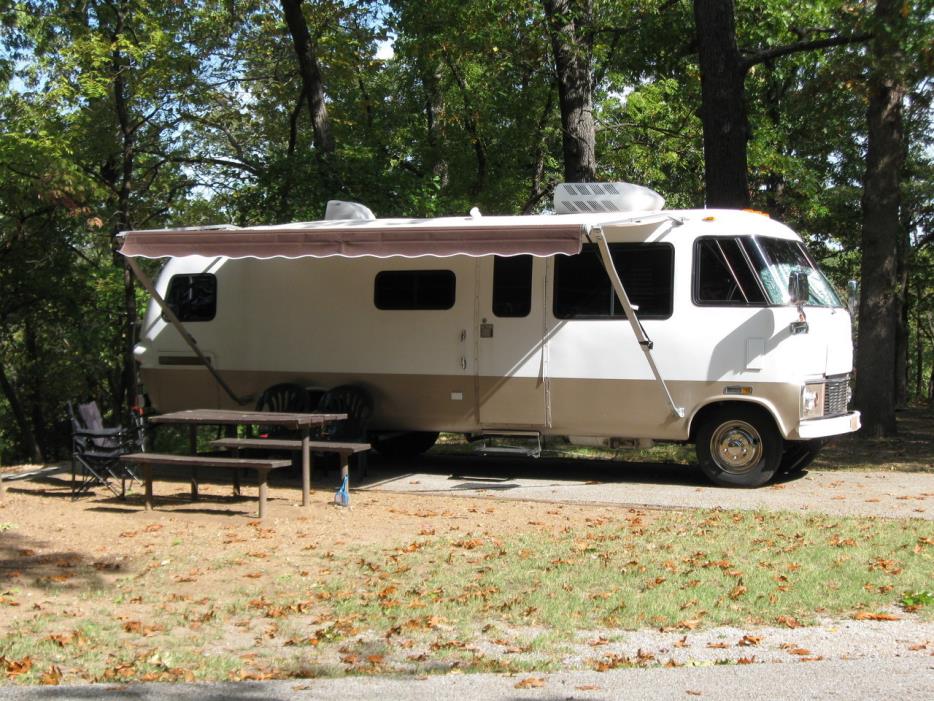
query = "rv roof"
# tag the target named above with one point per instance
(540, 235)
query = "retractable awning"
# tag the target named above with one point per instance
(382, 238)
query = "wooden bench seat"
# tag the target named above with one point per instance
(279, 444)
(262, 467)
(343, 449)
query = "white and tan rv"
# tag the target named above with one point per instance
(600, 324)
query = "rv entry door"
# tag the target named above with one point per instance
(511, 318)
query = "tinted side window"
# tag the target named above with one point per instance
(193, 297)
(584, 291)
(722, 274)
(512, 286)
(414, 289)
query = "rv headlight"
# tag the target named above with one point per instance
(812, 401)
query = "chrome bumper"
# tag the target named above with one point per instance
(820, 428)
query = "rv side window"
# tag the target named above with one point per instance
(512, 286)
(584, 291)
(722, 274)
(193, 297)
(414, 289)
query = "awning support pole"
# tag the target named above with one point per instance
(183, 332)
(597, 234)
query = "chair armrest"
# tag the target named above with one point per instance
(100, 433)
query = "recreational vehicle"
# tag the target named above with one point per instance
(612, 320)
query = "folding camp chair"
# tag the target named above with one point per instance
(97, 450)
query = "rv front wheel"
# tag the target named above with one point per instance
(799, 454)
(739, 446)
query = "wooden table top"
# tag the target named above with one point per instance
(266, 418)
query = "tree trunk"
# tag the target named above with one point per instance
(878, 304)
(434, 105)
(22, 423)
(471, 127)
(902, 338)
(310, 71)
(919, 343)
(130, 389)
(569, 26)
(723, 104)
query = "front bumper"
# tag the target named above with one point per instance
(833, 426)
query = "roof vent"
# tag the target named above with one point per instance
(588, 198)
(337, 209)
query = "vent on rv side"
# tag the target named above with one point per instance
(588, 198)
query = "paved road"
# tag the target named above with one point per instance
(884, 494)
(891, 678)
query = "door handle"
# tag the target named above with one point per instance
(486, 330)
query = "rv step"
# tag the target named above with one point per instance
(534, 450)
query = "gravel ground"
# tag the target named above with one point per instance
(882, 494)
(891, 678)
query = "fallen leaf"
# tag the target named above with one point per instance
(788, 621)
(749, 640)
(14, 668)
(866, 616)
(52, 677)
(530, 683)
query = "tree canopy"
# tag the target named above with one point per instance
(145, 113)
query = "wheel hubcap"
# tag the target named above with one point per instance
(736, 447)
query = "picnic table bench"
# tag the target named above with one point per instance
(262, 467)
(343, 449)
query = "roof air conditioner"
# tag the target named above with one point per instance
(337, 209)
(588, 198)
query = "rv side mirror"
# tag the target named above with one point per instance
(852, 296)
(798, 288)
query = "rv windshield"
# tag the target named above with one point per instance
(776, 259)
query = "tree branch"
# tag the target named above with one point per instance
(779, 51)
(224, 162)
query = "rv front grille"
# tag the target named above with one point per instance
(836, 395)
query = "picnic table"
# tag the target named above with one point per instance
(302, 422)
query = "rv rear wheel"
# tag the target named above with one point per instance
(405, 445)
(739, 446)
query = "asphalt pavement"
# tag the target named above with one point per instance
(886, 494)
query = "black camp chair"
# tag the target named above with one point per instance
(98, 449)
(357, 404)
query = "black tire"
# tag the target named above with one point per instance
(406, 445)
(739, 446)
(798, 455)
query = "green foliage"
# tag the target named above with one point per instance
(153, 112)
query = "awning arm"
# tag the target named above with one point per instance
(183, 332)
(596, 233)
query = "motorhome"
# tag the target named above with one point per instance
(611, 320)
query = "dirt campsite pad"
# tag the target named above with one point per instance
(98, 590)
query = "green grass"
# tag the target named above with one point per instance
(683, 569)
(514, 603)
